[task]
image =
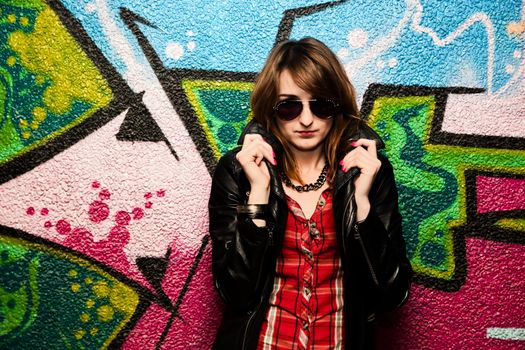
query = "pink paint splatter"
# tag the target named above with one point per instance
(148, 205)
(110, 250)
(98, 211)
(138, 213)
(63, 227)
(122, 218)
(118, 234)
(104, 194)
(80, 239)
(148, 195)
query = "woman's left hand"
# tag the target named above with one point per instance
(366, 160)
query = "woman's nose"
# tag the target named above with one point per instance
(307, 117)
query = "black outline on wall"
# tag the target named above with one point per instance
(477, 223)
(171, 81)
(289, 17)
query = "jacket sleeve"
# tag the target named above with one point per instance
(381, 242)
(238, 245)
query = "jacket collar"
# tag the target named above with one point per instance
(363, 131)
(341, 178)
(254, 127)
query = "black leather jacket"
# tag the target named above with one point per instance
(376, 270)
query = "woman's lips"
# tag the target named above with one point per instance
(305, 134)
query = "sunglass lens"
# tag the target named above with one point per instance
(323, 108)
(288, 110)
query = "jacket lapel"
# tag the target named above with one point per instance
(254, 127)
(363, 132)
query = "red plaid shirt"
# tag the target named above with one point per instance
(306, 304)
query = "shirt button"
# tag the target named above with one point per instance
(308, 253)
(307, 291)
(322, 202)
(305, 325)
(314, 233)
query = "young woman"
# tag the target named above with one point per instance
(307, 241)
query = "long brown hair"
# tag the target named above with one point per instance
(316, 69)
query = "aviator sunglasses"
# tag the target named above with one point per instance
(290, 109)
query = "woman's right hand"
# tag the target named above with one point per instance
(254, 150)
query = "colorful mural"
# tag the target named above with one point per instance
(114, 114)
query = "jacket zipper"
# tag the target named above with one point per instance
(250, 319)
(350, 212)
(347, 210)
(357, 236)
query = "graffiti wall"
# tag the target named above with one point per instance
(114, 114)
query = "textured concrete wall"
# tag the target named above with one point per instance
(113, 115)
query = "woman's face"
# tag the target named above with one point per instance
(307, 132)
